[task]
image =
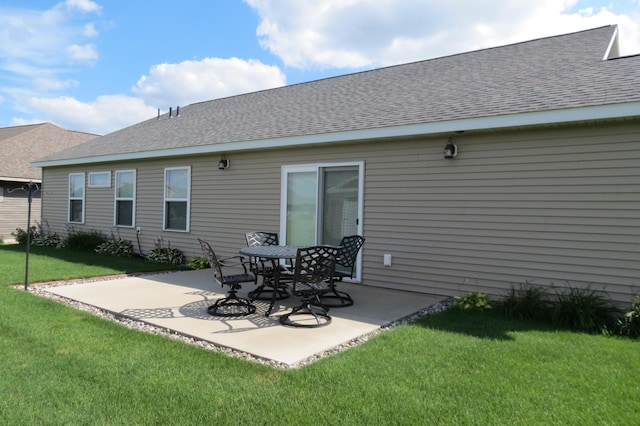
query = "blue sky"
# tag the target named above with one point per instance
(98, 66)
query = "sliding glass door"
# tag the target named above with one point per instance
(321, 203)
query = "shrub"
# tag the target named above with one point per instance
(83, 240)
(477, 301)
(48, 240)
(116, 247)
(584, 310)
(198, 263)
(527, 302)
(629, 324)
(165, 254)
(21, 235)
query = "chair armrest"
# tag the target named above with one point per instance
(239, 262)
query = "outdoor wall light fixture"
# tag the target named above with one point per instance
(451, 149)
(224, 163)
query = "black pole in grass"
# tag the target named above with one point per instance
(29, 188)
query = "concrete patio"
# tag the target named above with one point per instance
(178, 301)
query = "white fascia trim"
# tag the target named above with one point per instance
(14, 179)
(568, 115)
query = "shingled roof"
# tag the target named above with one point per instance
(570, 77)
(21, 145)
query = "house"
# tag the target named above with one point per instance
(19, 146)
(543, 186)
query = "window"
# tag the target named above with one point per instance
(177, 188)
(125, 196)
(76, 197)
(100, 180)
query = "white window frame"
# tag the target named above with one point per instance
(166, 199)
(82, 198)
(93, 176)
(317, 167)
(132, 199)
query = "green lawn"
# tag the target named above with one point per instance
(62, 366)
(48, 264)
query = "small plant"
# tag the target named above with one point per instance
(165, 254)
(21, 235)
(527, 302)
(40, 236)
(198, 263)
(478, 301)
(48, 240)
(44, 237)
(83, 240)
(584, 310)
(629, 324)
(116, 247)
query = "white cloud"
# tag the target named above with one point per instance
(45, 84)
(89, 30)
(82, 5)
(211, 78)
(86, 53)
(36, 41)
(166, 85)
(106, 114)
(365, 33)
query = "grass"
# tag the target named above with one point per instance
(49, 264)
(62, 366)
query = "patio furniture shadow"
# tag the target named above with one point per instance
(198, 310)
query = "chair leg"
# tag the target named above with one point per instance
(231, 306)
(335, 298)
(257, 294)
(307, 308)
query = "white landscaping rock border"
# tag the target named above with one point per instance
(40, 289)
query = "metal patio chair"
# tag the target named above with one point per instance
(345, 265)
(268, 289)
(312, 275)
(232, 305)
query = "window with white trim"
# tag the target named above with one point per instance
(125, 198)
(177, 194)
(100, 180)
(76, 198)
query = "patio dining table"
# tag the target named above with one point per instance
(274, 254)
(271, 252)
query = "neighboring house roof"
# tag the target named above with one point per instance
(21, 145)
(557, 79)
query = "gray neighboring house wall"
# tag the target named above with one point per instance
(19, 146)
(545, 188)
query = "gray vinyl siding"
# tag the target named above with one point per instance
(552, 206)
(546, 207)
(14, 208)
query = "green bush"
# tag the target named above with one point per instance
(527, 302)
(198, 263)
(21, 235)
(83, 240)
(629, 324)
(584, 309)
(476, 301)
(163, 253)
(116, 247)
(47, 240)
